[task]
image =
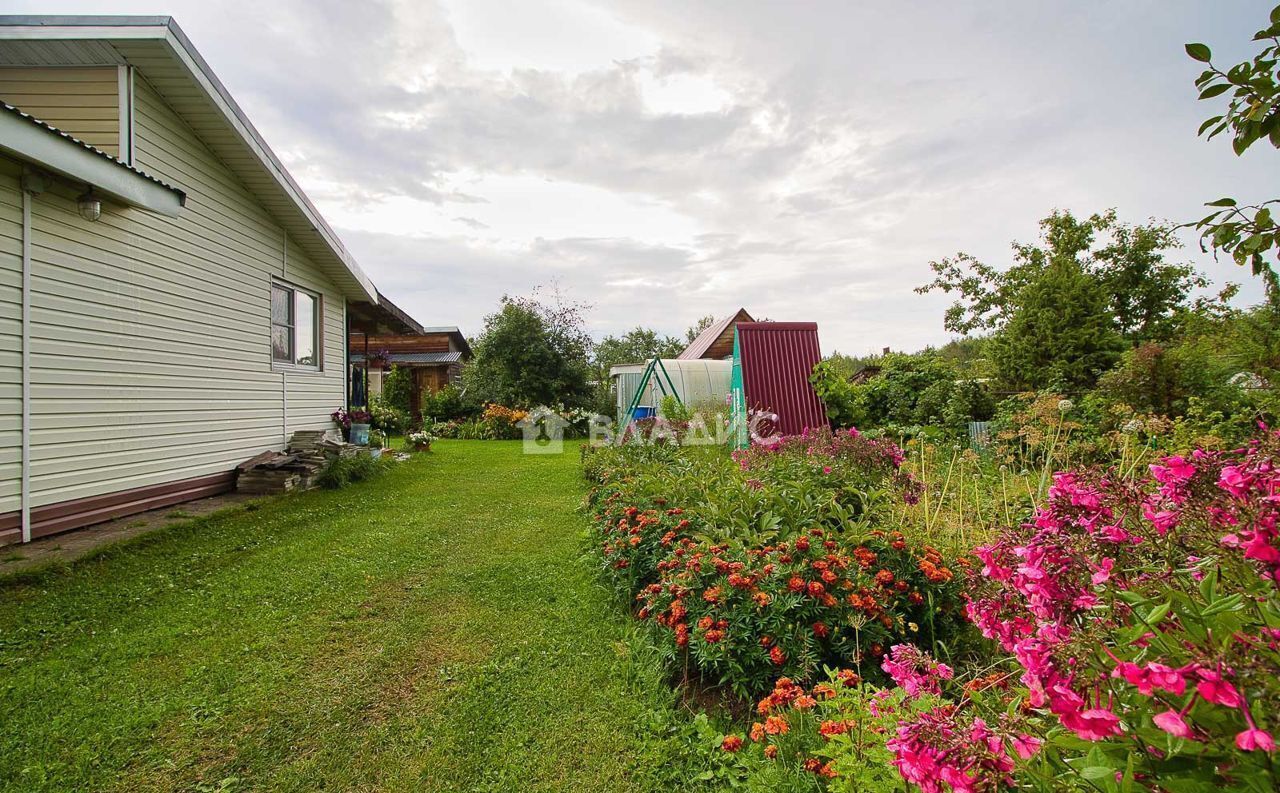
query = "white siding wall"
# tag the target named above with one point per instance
(83, 102)
(151, 336)
(10, 342)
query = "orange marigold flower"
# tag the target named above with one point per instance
(711, 595)
(830, 729)
(849, 677)
(761, 599)
(757, 731)
(771, 751)
(776, 725)
(705, 623)
(824, 690)
(777, 655)
(731, 743)
(816, 589)
(804, 702)
(821, 630)
(796, 584)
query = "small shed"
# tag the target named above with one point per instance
(772, 362)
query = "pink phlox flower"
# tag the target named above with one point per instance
(1172, 722)
(1027, 745)
(1162, 520)
(1175, 469)
(1254, 739)
(1235, 481)
(1214, 688)
(1103, 571)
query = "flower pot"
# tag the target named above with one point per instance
(375, 452)
(360, 434)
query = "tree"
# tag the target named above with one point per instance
(696, 329)
(1141, 291)
(1248, 233)
(635, 346)
(532, 352)
(1059, 334)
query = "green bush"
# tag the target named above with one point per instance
(771, 562)
(346, 470)
(397, 389)
(447, 404)
(386, 418)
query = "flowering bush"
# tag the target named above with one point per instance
(769, 562)
(386, 418)
(496, 422)
(848, 736)
(1140, 614)
(745, 615)
(1144, 619)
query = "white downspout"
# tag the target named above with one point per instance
(284, 375)
(26, 366)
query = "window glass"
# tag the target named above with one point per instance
(305, 338)
(280, 305)
(280, 343)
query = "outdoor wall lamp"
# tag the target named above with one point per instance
(89, 206)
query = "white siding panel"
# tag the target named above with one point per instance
(151, 335)
(10, 343)
(81, 102)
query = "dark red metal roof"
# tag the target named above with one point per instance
(777, 359)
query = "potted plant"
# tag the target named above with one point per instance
(377, 442)
(378, 359)
(354, 424)
(420, 439)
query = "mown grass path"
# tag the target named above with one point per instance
(433, 629)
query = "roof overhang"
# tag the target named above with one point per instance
(381, 317)
(24, 138)
(163, 54)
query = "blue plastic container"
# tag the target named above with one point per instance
(644, 412)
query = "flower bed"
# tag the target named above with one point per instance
(1134, 622)
(772, 562)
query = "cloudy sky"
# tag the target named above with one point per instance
(665, 159)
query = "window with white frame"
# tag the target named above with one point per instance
(295, 327)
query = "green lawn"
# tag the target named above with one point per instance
(434, 629)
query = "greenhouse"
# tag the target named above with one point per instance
(640, 387)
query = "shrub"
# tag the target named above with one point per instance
(769, 562)
(447, 404)
(342, 471)
(386, 418)
(745, 615)
(1144, 619)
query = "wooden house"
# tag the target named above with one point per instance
(433, 356)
